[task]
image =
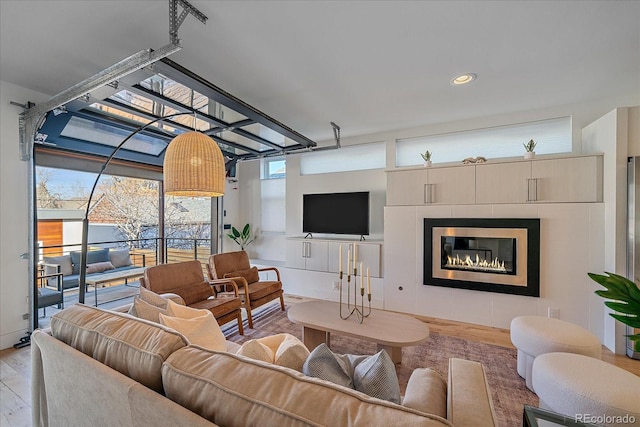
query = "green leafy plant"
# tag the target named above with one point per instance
(426, 156)
(624, 298)
(243, 238)
(530, 146)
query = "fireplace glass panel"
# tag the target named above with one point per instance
(478, 254)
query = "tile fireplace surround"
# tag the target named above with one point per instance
(483, 254)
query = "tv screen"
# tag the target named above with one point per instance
(336, 213)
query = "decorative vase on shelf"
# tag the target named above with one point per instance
(528, 155)
(427, 163)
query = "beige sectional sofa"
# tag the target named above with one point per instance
(98, 367)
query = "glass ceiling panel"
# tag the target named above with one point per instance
(116, 112)
(269, 134)
(136, 101)
(249, 143)
(100, 133)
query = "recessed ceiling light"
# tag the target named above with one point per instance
(463, 79)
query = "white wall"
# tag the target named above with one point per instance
(14, 227)
(609, 134)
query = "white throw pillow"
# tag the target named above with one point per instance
(198, 326)
(257, 351)
(152, 298)
(143, 310)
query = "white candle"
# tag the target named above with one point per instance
(355, 254)
(361, 277)
(349, 261)
(368, 282)
(340, 257)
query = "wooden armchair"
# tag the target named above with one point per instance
(254, 292)
(187, 280)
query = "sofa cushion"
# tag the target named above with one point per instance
(120, 257)
(374, 375)
(281, 349)
(133, 347)
(93, 256)
(198, 326)
(64, 261)
(235, 391)
(250, 275)
(99, 267)
(427, 392)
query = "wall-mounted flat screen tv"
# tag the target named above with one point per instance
(336, 213)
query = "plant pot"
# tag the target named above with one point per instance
(427, 163)
(530, 155)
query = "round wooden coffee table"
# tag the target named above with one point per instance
(391, 331)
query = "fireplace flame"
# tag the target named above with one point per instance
(467, 263)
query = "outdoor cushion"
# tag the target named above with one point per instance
(250, 275)
(93, 256)
(120, 258)
(99, 267)
(374, 375)
(64, 261)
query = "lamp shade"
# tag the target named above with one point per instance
(194, 166)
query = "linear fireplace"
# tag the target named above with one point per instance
(484, 254)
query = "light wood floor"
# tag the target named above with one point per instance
(15, 365)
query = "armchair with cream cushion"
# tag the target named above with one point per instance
(254, 291)
(186, 279)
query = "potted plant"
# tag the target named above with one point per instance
(426, 156)
(243, 238)
(624, 297)
(530, 147)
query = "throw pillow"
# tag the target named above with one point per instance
(120, 258)
(143, 310)
(152, 298)
(281, 349)
(204, 331)
(99, 267)
(288, 350)
(250, 275)
(374, 375)
(324, 364)
(254, 349)
(200, 331)
(66, 268)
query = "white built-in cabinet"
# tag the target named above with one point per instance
(431, 186)
(549, 180)
(323, 254)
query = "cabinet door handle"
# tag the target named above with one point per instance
(428, 194)
(532, 189)
(308, 250)
(304, 249)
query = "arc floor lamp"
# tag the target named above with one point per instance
(193, 167)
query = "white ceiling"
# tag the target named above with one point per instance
(369, 66)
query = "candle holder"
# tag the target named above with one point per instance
(353, 309)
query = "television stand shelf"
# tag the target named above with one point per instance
(321, 254)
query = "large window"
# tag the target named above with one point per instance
(350, 158)
(551, 136)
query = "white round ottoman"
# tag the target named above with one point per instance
(588, 389)
(536, 335)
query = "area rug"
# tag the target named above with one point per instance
(508, 389)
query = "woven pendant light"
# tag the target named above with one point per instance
(194, 167)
